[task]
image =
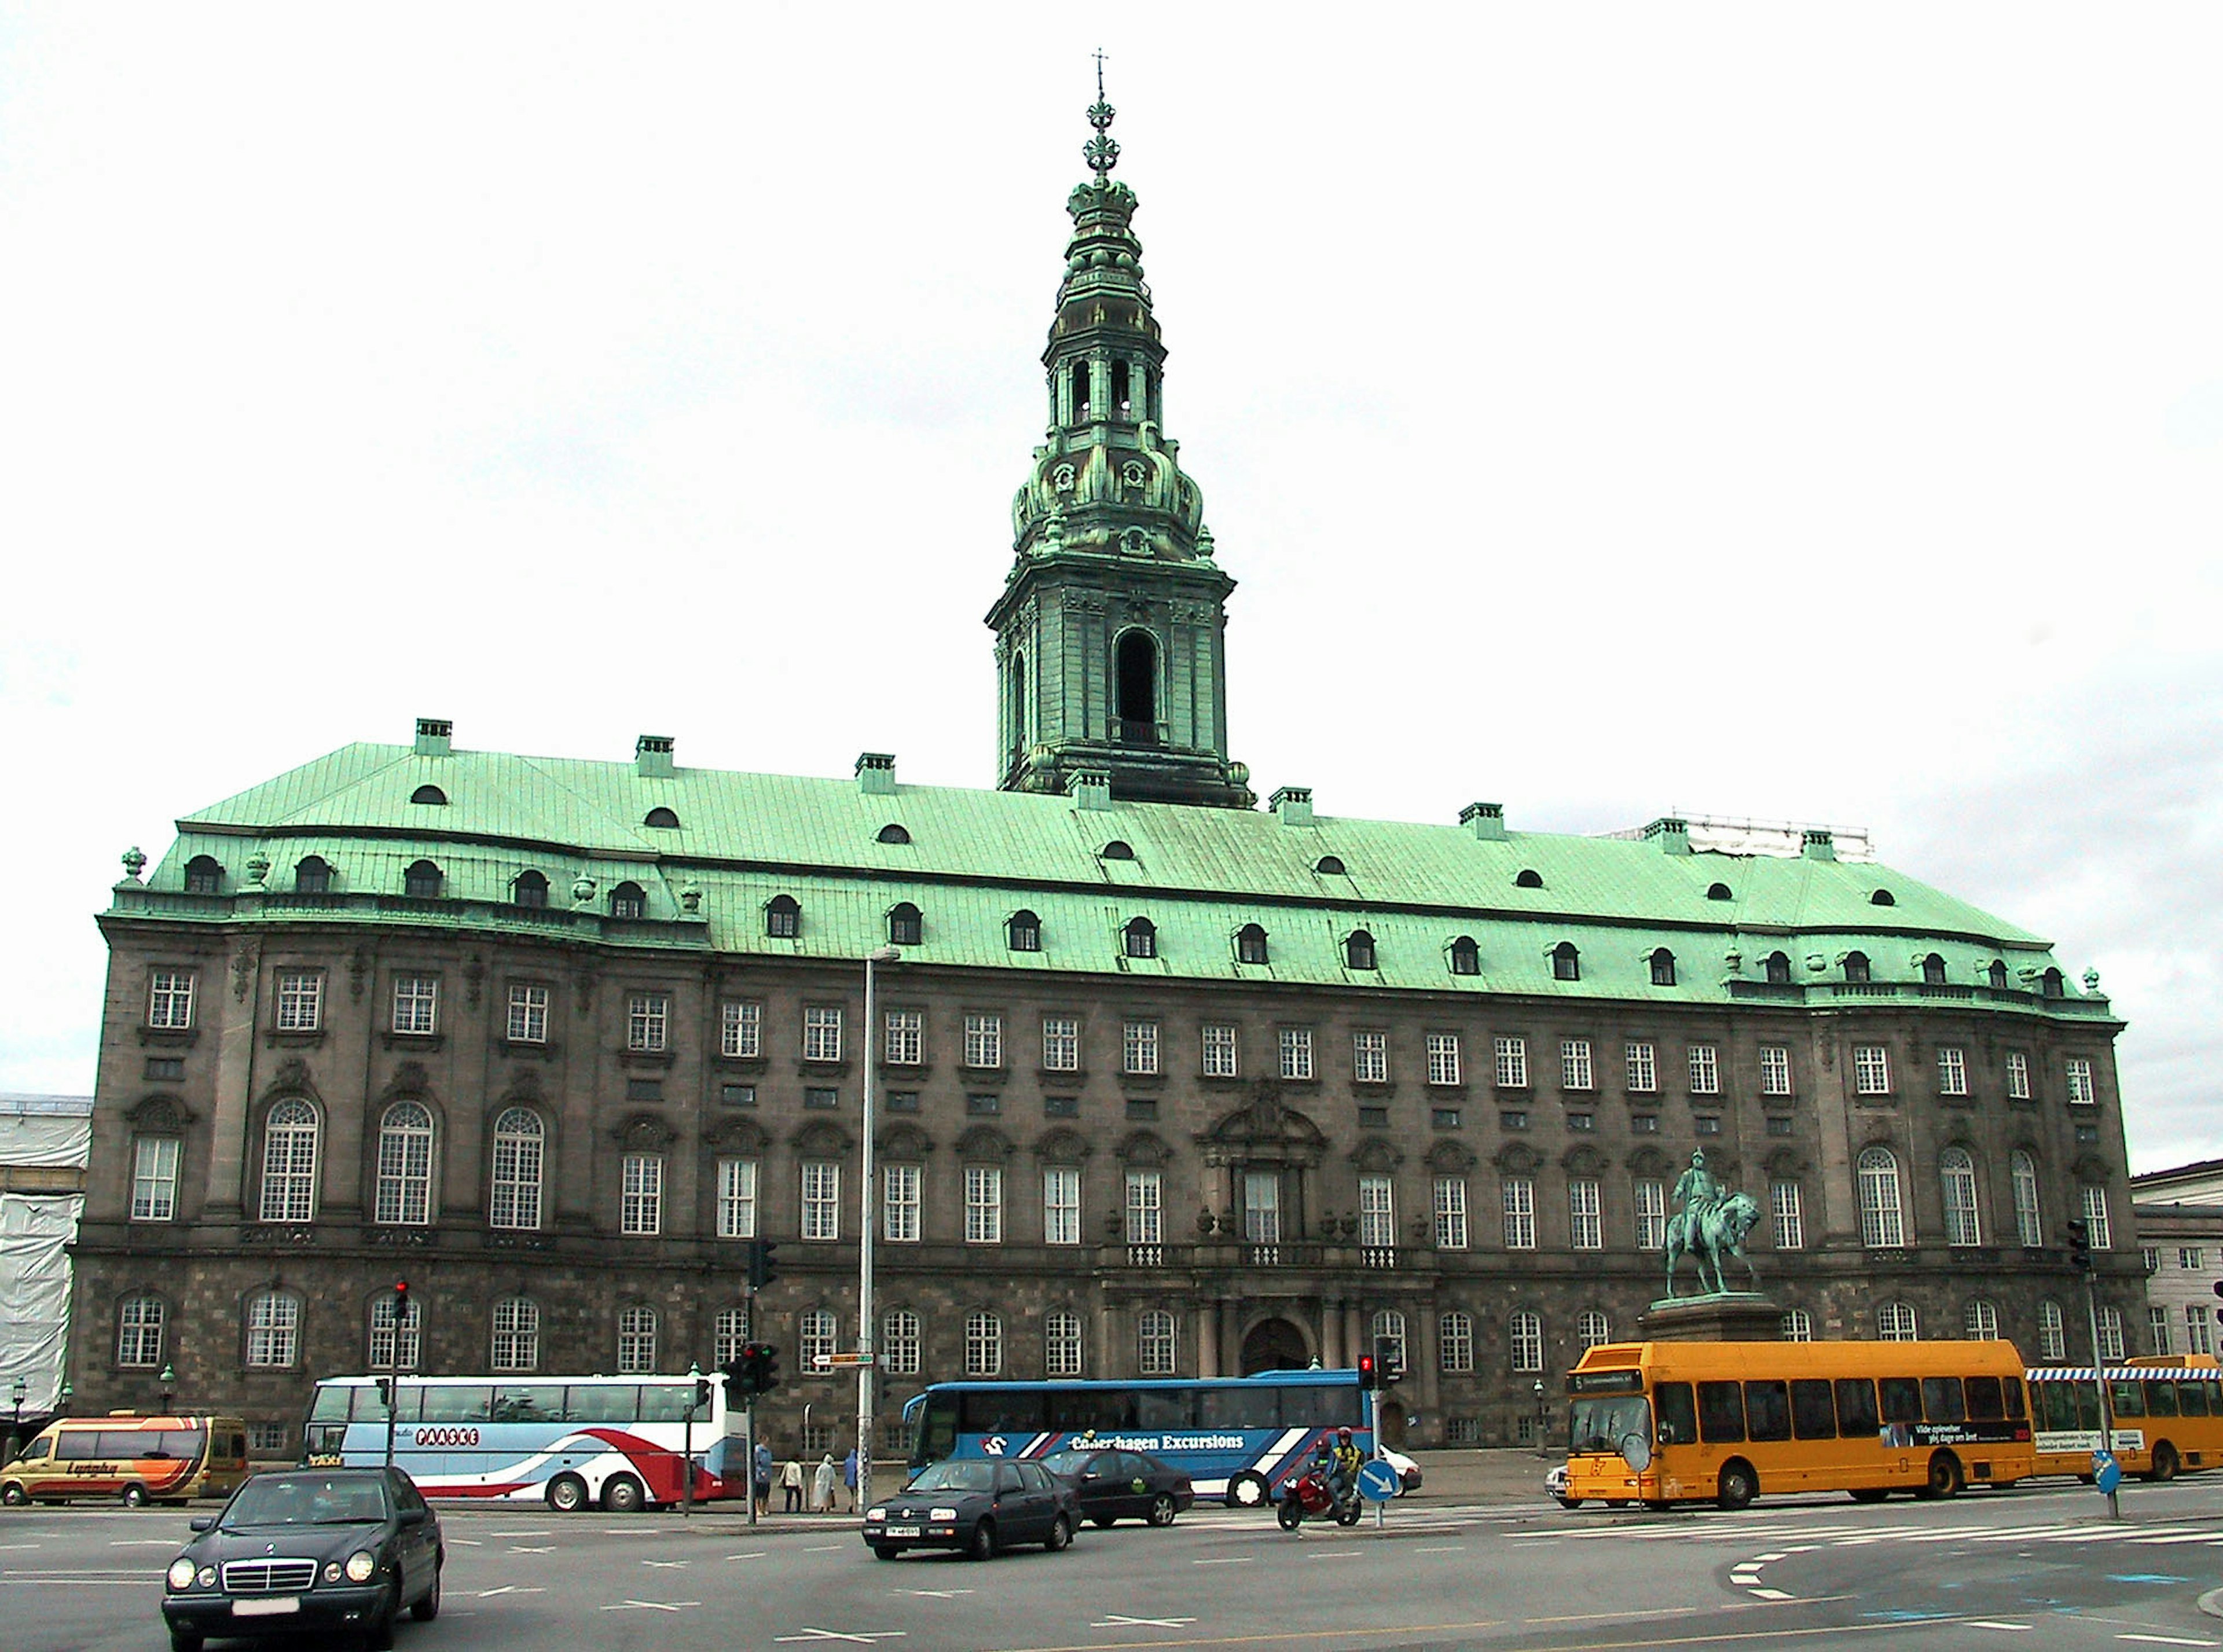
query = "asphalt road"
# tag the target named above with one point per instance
(2040, 1567)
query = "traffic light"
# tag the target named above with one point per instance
(767, 1370)
(701, 1392)
(1389, 1361)
(401, 1302)
(736, 1373)
(1370, 1375)
(2080, 1246)
(386, 1393)
(761, 1270)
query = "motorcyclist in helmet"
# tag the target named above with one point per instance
(1343, 1465)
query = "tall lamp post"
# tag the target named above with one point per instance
(16, 1429)
(168, 1379)
(1542, 1449)
(864, 1339)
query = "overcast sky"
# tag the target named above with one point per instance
(1800, 412)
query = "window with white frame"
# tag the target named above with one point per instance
(1775, 1069)
(1451, 1213)
(1296, 1044)
(902, 1032)
(1952, 1070)
(1895, 1323)
(2198, 1328)
(416, 1004)
(139, 1331)
(1883, 1221)
(516, 1335)
(984, 1040)
(1060, 1044)
(1062, 1352)
(1525, 1340)
(274, 1329)
(1145, 1207)
(1798, 1326)
(1520, 1199)
(404, 1195)
(2052, 1338)
(984, 1205)
(817, 1336)
(899, 1194)
(300, 1000)
(1651, 1213)
(1378, 1213)
(1585, 1225)
(528, 1014)
(741, 1028)
(2111, 1334)
(1219, 1051)
(2191, 1258)
(2158, 1329)
(514, 1197)
(1871, 1070)
(394, 1337)
(1956, 1172)
(289, 1162)
(1370, 1057)
(1592, 1327)
(1155, 1348)
(1455, 1342)
(730, 1333)
(170, 999)
(1643, 1070)
(822, 1200)
(1509, 1057)
(1443, 1057)
(636, 1340)
(1575, 1064)
(737, 1198)
(1061, 1204)
(1138, 1046)
(154, 1178)
(643, 1201)
(2078, 1072)
(2017, 1075)
(984, 1344)
(1389, 1326)
(2030, 1221)
(821, 1033)
(2096, 1226)
(1789, 1214)
(1261, 1207)
(1980, 1322)
(648, 1020)
(1705, 1070)
(899, 1342)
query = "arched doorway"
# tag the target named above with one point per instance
(1393, 1423)
(1275, 1344)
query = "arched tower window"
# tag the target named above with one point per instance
(1015, 702)
(1080, 392)
(1122, 403)
(405, 1166)
(1136, 712)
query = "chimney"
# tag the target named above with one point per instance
(1294, 804)
(1485, 821)
(1816, 843)
(652, 757)
(1090, 789)
(432, 734)
(875, 774)
(1673, 835)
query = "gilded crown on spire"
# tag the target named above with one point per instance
(1102, 151)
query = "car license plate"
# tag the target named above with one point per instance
(279, 1606)
(903, 1531)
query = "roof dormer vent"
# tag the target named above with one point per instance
(1294, 804)
(652, 757)
(432, 734)
(1485, 821)
(876, 773)
(1816, 843)
(1090, 789)
(1672, 834)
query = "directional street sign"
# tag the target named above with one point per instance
(2106, 1473)
(829, 1361)
(1377, 1481)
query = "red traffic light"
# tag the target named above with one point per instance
(1367, 1376)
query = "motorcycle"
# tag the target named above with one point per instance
(1308, 1496)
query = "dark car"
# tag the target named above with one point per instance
(309, 1549)
(979, 1504)
(1122, 1484)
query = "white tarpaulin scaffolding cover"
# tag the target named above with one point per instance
(35, 1229)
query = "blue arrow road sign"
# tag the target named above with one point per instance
(2106, 1473)
(1377, 1481)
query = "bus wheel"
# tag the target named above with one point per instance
(1945, 1478)
(567, 1494)
(1571, 1503)
(1247, 1491)
(1738, 1486)
(135, 1496)
(624, 1495)
(1870, 1493)
(2164, 1462)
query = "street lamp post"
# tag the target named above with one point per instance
(864, 1339)
(16, 1429)
(168, 1379)
(1541, 1448)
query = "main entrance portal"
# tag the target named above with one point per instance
(1274, 1344)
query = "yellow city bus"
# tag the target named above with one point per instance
(1664, 1422)
(2168, 1415)
(132, 1458)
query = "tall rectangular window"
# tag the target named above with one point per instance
(1705, 1070)
(1651, 1213)
(1061, 1204)
(300, 1001)
(2096, 1227)
(2198, 1328)
(740, 1029)
(516, 1335)
(2078, 1072)
(528, 1014)
(1790, 1216)
(1443, 1057)
(899, 1203)
(648, 1020)
(170, 999)
(2157, 1329)
(274, 1329)
(1138, 1046)
(154, 1178)
(1060, 1044)
(1575, 1064)
(1370, 1057)
(822, 1200)
(2017, 1075)
(899, 1343)
(1871, 1070)
(1519, 1214)
(1952, 1071)
(416, 1004)
(2111, 1334)
(1585, 1227)
(730, 1331)
(1296, 1052)
(643, 1210)
(1775, 1069)
(984, 1205)
(1261, 1207)
(636, 1340)
(1145, 1207)
(1511, 1057)
(1061, 1345)
(737, 1198)
(1525, 1340)
(984, 1040)
(1451, 1213)
(821, 1033)
(1455, 1342)
(1643, 1072)
(1219, 1051)
(901, 1037)
(1378, 1213)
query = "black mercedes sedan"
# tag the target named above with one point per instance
(978, 1504)
(1122, 1484)
(308, 1549)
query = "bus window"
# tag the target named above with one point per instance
(330, 1405)
(2011, 1388)
(1984, 1405)
(184, 1444)
(2192, 1398)
(603, 1402)
(1941, 1399)
(1813, 1413)
(988, 1410)
(1678, 1416)
(2160, 1399)
(1902, 1399)
(2128, 1397)
(665, 1402)
(529, 1403)
(1239, 1408)
(456, 1402)
(78, 1445)
(1319, 1406)
(937, 1430)
(1857, 1408)
(1164, 1408)
(1767, 1408)
(1721, 1413)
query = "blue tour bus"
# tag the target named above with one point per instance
(1236, 1437)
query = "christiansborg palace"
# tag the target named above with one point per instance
(1167, 1082)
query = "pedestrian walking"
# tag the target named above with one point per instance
(821, 1485)
(762, 1478)
(790, 1486)
(849, 1477)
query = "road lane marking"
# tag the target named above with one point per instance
(532, 1549)
(1769, 1594)
(649, 1605)
(1986, 1622)
(511, 1589)
(143, 1543)
(754, 1554)
(468, 1542)
(1762, 1559)
(2166, 1640)
(1231, 1560)
(670, 1566)
(826, 1548)
(862, 1639)
(935, 1594)
(1443, 1548)
(544, 1532)
(1117, 1620)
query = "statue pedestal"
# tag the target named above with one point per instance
(1734, 1316)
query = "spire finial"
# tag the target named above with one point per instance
(1101, 151)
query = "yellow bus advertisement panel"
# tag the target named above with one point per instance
(1723, 1423)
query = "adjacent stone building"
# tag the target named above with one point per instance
(2180, 1217)
(1167, 1082)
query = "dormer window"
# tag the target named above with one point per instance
(312, 876)
(1883, 898)
(1466, 957)
(1116, 849)
(423, 881)
(1022, 932)
(1778, 966)
(893, 833)
(1719, 892)
(204, 875)
(1997, 976)
(2049, 984)
(1251, 944)
(1358, 951)
(1528, 878)
(1142, 937)
(662, 819)
(1663, 968)
(1933, 970)
(905, 927)
(1856, 967)
(530, 889)
(783, 918)
(628, 901)
(1567, 961)
(429, 794)
(1330, 866)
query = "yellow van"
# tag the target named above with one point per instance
(131, 1458)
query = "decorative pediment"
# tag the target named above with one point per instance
(408, 1079)
(1265, 1130)
(904, 1141)
(645, 1132)
(820, 1139)
(291, 1079)
(1649, 1161)
(1142, 1148)
(1377, 1156)
(1063, 1146)
(743, 1136)
(1517, 1159)
(983, 1143)
(1583, 1160)
(161, 1115)
(1449, 1158)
